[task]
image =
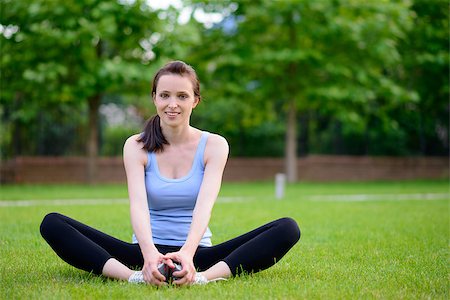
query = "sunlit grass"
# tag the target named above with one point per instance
(369, 249)
(254, 190)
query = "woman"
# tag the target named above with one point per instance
(174, 172)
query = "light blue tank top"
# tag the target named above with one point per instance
(172, 201)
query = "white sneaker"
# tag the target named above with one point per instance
(136, 277)
(201, 280)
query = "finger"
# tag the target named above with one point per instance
(160, 283)
(169, 262)
(158, 276)
(180, 281)
(181, 273)
(150, 279)
(147, 277)
(191, 278)
(186, 278)
(157, 282)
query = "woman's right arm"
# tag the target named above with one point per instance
(135, 159)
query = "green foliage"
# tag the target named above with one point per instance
(425, 53)
(378, 249)
(63, 53)
(366, 77)
(345, 64)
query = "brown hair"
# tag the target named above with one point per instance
(152, 137)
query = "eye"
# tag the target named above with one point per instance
(164, 95)
(183, 96)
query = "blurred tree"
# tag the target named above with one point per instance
(335, 77)
(63, 53)
(334, 57)
(425, 53)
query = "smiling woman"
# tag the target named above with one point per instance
(174, 174)
(175, 90)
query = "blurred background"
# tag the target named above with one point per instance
(319, 90)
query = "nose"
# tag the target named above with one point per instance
(172, 102)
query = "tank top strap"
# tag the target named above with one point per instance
(201, 149)
(150, 163)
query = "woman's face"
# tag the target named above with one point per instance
(174, 99)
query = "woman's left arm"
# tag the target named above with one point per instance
(216, 155)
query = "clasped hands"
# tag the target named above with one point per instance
(185, 277)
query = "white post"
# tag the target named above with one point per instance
(280, 182)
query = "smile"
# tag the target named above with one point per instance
(172, 114)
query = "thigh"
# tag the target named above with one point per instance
(127, 253)
(206, 257)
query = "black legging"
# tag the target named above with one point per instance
(89, 249)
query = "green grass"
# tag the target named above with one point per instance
(67, 191)
(255, 190)
(381, 249)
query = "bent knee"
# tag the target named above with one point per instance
(290, 230)
(48, 224)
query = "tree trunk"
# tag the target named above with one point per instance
(303, 144)
(291, 143)
(92, 145)
(291, 132)
(16, 143)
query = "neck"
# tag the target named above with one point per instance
(177, 135)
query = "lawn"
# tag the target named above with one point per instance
(382, 240)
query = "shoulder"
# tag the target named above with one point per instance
(216, 140)
(216, 147)
(133, 149)
(132, 142)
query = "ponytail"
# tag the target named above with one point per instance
(152, 137)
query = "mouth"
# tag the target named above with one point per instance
(172, 113)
